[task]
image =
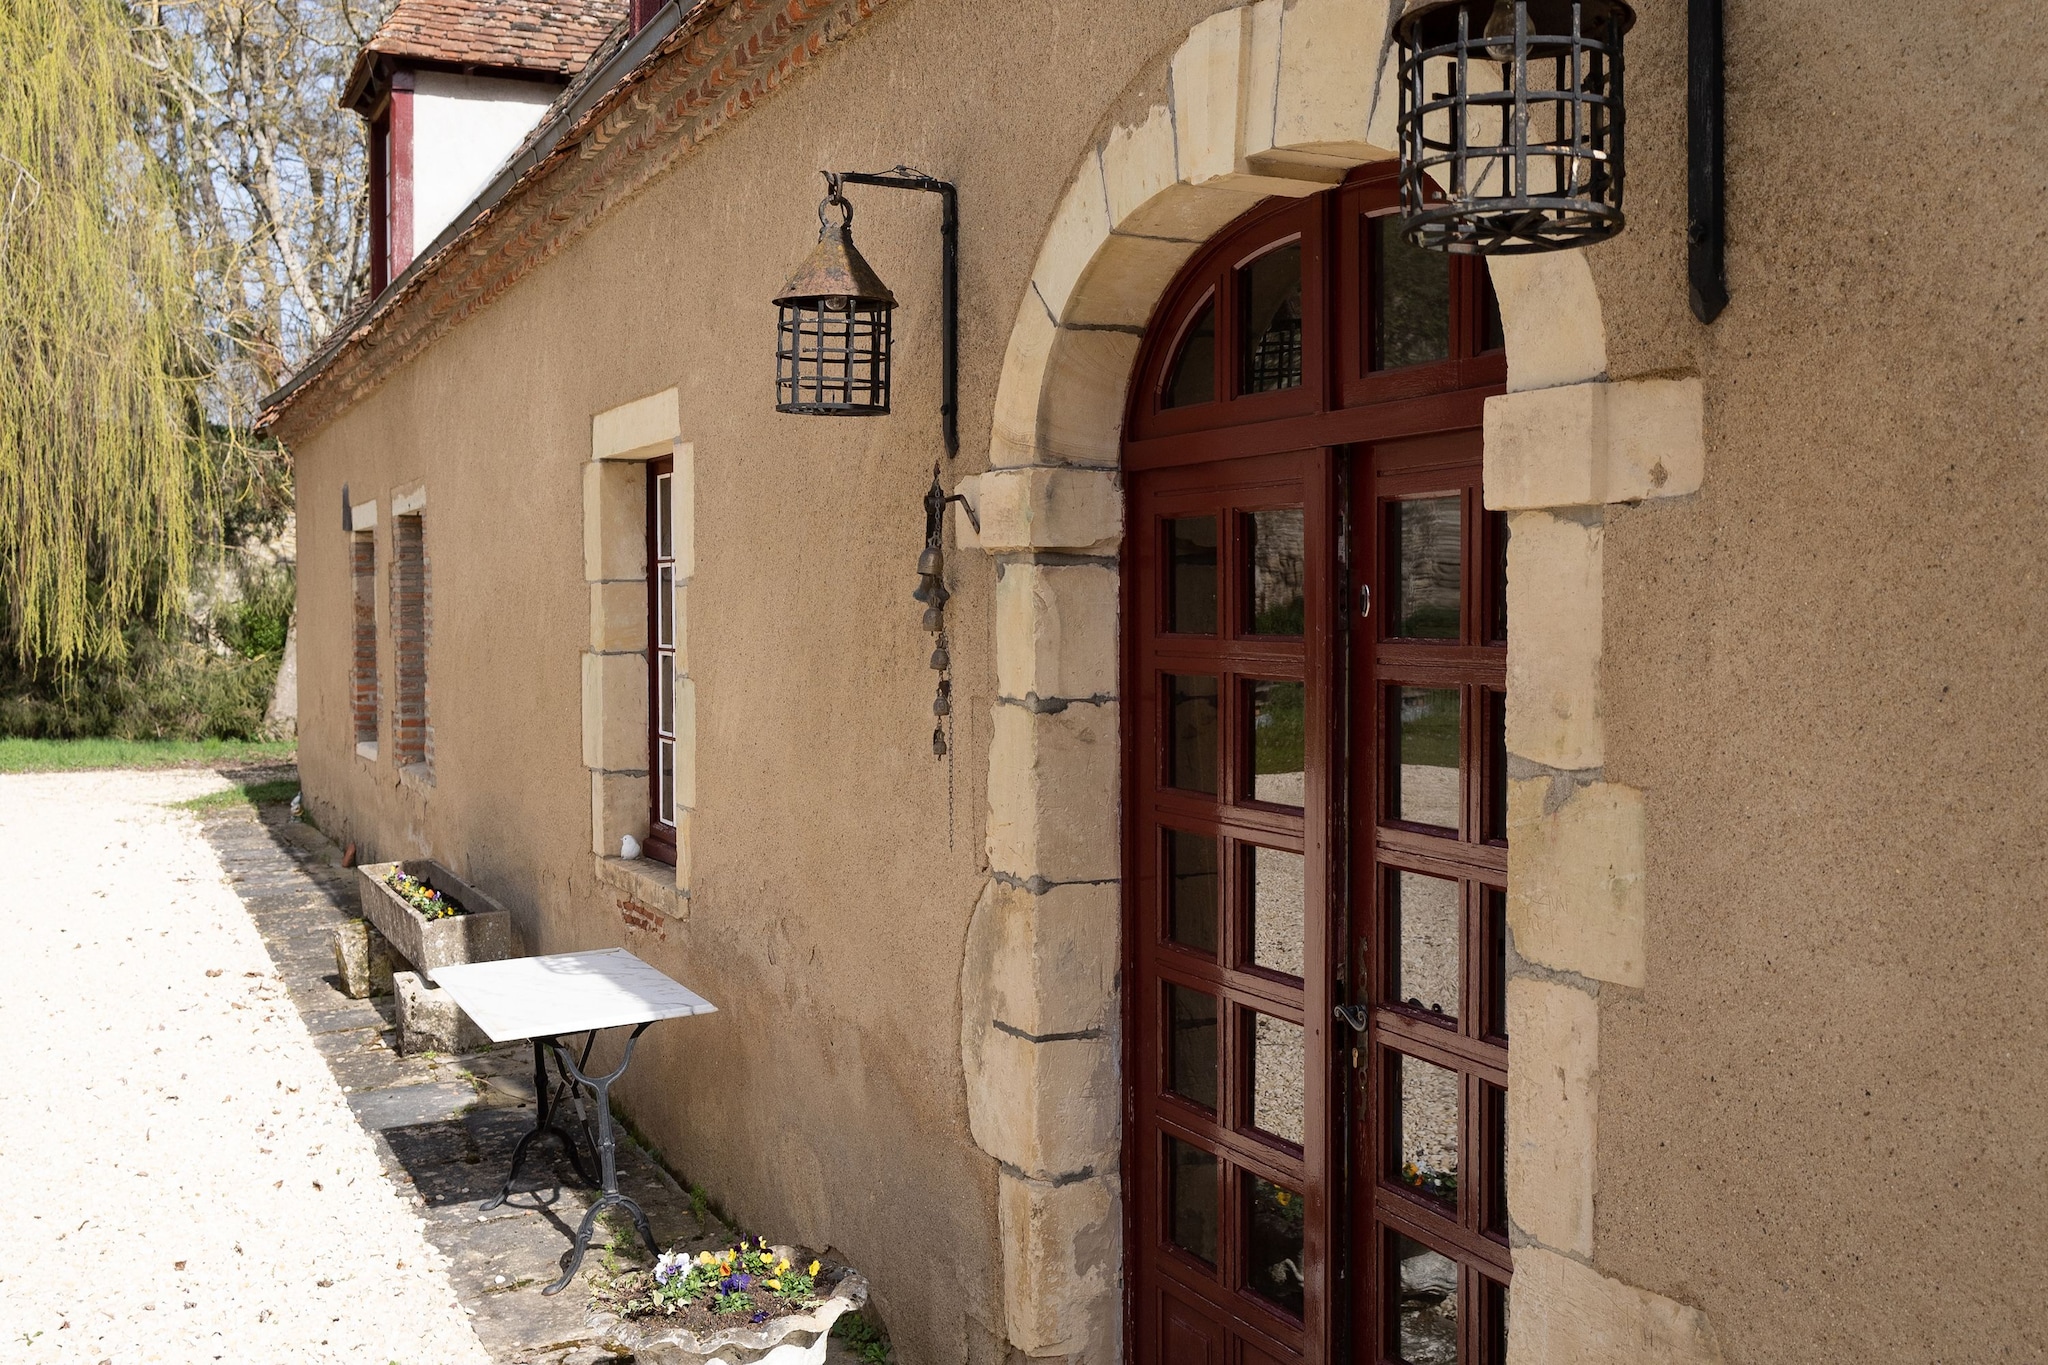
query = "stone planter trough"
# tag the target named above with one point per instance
(792, 1339)
(484, 934)
(427, 1020)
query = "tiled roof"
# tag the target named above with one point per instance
(555, 36)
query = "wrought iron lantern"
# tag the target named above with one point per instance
(832, 347)
(832, 342)
(1511, 123)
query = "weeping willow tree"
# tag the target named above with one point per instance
(102, 469)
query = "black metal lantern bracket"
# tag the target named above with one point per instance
(906, 178)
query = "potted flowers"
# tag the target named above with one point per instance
(431, 917)
(746, 1304)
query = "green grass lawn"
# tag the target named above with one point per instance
(78, 755)
(267, 792)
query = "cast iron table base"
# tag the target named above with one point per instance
(548, 1097)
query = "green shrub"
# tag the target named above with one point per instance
(164, 689)
(169, 686)
(256, 626)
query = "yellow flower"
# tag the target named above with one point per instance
(773, 1284)
(1284, 1197)
(784, 1266)
(813, 1270)
(703, 1258)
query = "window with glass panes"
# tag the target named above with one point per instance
(661, 660)
(1313, 797)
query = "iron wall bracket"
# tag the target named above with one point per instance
(909, 178)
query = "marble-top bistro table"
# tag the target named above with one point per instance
(545, 999)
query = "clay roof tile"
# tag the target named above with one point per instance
(532, 35)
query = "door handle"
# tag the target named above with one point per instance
(1355, 1016)
(1364, 600)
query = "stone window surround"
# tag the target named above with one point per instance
(1266, 99)
(615, 704)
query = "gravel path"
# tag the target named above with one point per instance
(186, 1181)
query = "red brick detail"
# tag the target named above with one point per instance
(724, 59)
(638, 916)
(412, 623)
(363, 657)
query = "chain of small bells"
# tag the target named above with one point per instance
(931, 591)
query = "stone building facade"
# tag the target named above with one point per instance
(1774, 1090)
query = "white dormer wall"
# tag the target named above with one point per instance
(464, 129)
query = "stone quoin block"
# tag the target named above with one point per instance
(1056, 630)
(1553, 1112)
(1062, 1291)
(1584, 445)
(1324, 111)
(1013, 430)
(1575, 877)
(1125, 280)
(1091, 371)
(614, 521)
(686, 745)
(1550, 312)
(682, 627)
(1077, 232)
(1077, 511)
(1046, 1108)
(1208, 76)
(615, 712)
(1554, 599)
(618, 617)
(1138, 163)
(1566, 1313)
(1053, 793)
(682, 501)
(619, 805)
(1043, 964)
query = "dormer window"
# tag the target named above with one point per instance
(450, 91)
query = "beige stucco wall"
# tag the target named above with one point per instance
(830, 903)
(1820, 1116)
(1824, 1119)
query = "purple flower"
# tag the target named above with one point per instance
(761, 1316)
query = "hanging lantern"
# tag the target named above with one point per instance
(832, 342)
(1511, 123)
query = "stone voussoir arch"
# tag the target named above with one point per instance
(1277, 98)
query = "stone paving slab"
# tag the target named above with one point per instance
(446, 1126)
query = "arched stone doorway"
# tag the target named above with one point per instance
(1274, 99)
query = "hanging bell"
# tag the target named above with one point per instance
(942, 705)
(934, 620)
(928, 562)
(941, 660)
(939, 741)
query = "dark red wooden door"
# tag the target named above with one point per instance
(1306, 378)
